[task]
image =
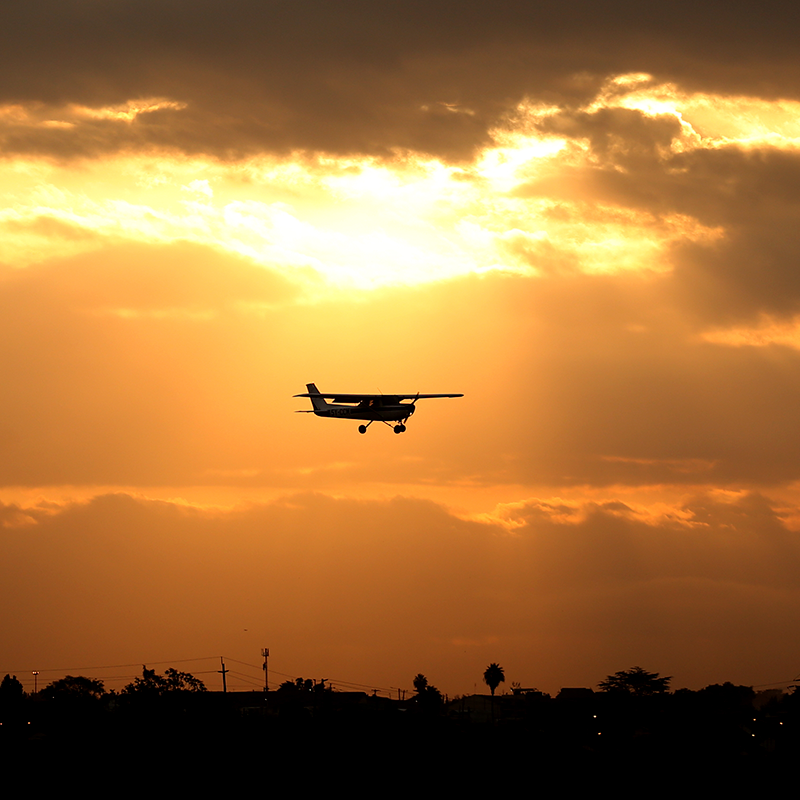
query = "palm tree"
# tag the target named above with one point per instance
(493, 676)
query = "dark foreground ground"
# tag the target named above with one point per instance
(644, 746)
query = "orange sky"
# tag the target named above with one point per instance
(587, 223)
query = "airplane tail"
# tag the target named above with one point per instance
(316, 399)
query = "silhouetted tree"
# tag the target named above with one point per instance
(11, 689)
(428, 697)
(302, 698)
(635, 681)
(12, 699)
(303, 686)
(75, 687)
(73, 701)
(153, 684)
(493, 676)
(420, 683)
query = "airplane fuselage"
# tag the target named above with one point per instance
(396, 412)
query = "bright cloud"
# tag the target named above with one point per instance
(367, 223)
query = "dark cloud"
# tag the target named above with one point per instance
(618, 137)
(748, 194)
(753, 269)
(366, 76)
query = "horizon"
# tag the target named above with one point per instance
(239, 681)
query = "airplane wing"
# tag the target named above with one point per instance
(423, 396)
(357, 398)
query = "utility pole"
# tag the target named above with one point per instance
(265, 653)
(224, 673)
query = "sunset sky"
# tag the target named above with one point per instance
(585, 217)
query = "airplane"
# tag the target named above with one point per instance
(385, 408)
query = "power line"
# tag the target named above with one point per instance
(115, 666)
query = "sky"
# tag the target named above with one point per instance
(584, 217)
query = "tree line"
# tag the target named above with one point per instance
(635, 681)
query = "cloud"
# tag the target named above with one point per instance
(618, 137)
(406, 586)
(145, 278)
(365, 78)
(726, 210)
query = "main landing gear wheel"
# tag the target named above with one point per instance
(362, 428)
(399, 428)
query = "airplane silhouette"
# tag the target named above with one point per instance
(384, 408)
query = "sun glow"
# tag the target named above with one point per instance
(365, 223)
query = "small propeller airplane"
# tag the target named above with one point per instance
(385, 408)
